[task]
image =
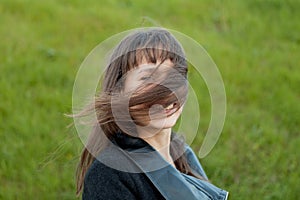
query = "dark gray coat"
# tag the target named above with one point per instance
(113, 175)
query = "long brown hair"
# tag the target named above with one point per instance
(150, 45)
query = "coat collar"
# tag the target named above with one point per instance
(130, 143)
(164, 176)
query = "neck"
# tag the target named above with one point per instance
(161, 143)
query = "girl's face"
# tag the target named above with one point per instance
(167, 115)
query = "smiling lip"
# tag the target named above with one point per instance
(171, 109)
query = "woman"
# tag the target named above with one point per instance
(132, 152)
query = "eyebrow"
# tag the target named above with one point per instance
(148, 70)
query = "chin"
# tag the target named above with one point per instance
(165, 123)
(157, 126)
(169, 122)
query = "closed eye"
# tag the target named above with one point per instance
(144, 78)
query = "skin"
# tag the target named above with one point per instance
(158, 132)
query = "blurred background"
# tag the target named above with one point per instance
(255, 44)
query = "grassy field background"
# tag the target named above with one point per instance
(255, 44)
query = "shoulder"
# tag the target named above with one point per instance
(103, 182)
(99, 172)
(194, 162)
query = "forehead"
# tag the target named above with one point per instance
(140, 74)
(147, 55)
(151, 67)
(157, 71)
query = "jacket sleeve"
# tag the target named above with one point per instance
(102, 182)
(194, 162)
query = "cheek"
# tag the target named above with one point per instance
(178, 112)
(130, 85)
(143, 116)
(140, 116)
(131, 81)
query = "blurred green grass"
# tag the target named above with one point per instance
(255, 44)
